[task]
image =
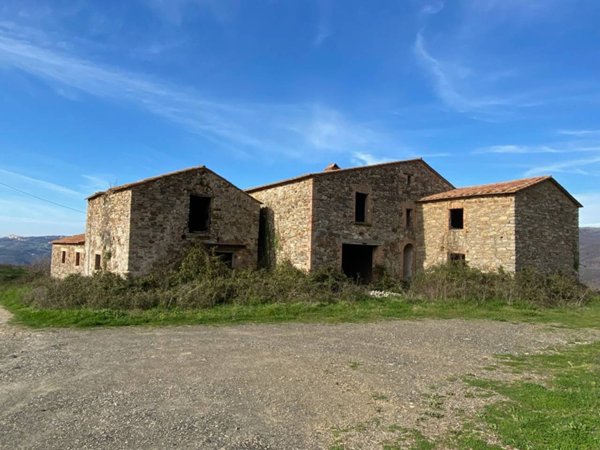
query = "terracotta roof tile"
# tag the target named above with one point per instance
(78, 239)
(487, 190)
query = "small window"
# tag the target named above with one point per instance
(360, 210)
(456, 219)
(98, 262)
(226, 258)
(63, 257)
(77, 258)
(199, 218)
(408, 179)
(456, 257)
(409, 218)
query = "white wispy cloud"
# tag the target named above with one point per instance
(362, 158)
(586, 166)
(565, 147)
(324, 31)
(24, 181)
(433, 8)
(580, 133)
(446, 82)
(287, 129)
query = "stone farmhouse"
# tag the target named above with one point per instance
(398, 217)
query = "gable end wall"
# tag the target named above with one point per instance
(547, 230)
(107, 232)
(160, 213)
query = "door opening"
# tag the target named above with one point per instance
(357, 262)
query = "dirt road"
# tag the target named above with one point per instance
(247, 387)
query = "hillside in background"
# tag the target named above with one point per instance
(25, 250)
(19, 250)
(589, 256)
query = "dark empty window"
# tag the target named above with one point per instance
(63, 257)
(409, 218)
(226, 258)
(77, 258)
(456, 257)
(456, 219)
(199, 219)
(97, 262)
(360, 210)
(408, 179)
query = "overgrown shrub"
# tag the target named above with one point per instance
(198, 280)
(458, 281)
(201, 280)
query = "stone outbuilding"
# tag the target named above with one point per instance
(527, 223)
(68, 256)
(136, 227)
(360, 220)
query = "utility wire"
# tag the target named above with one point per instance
(42, 199)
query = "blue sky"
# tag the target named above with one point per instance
(99, 93)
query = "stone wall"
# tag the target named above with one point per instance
(391, 189)
(107, 232)
(160, 212)
(287, 218)
(487, 239)
(58, 269)
(547, 229)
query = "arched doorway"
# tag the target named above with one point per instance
(407, 270)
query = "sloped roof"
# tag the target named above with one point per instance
(127, 186)
(493, 189)
(78, 239)
(337, 171)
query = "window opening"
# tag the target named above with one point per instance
(63, 257)
(456, 257)
(199, 217)
(360, 210)
(409, 218)
(97, 262)
(226, 258)
(457, 218)
(77, 258)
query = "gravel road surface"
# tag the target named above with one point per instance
(289, 386)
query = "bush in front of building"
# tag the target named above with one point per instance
(201, 280)
(458, 281)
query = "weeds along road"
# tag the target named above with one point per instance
(248, 387)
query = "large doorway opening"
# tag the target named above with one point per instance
(407, 263)
(357, 262)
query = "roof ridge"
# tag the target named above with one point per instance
(306, 176)
(125, 186)
(498, 188)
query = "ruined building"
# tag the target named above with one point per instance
(397, 217)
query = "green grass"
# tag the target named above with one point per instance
(369, 309)
(9, 274)
(563, 413)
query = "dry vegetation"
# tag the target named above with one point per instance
(200, 280)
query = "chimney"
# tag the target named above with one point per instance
(331, 167)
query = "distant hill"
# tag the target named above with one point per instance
(589, 256)
(20, 250)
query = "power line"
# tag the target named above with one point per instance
(42, 199)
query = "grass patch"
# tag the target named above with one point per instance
(364, 310)
(562, 413)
